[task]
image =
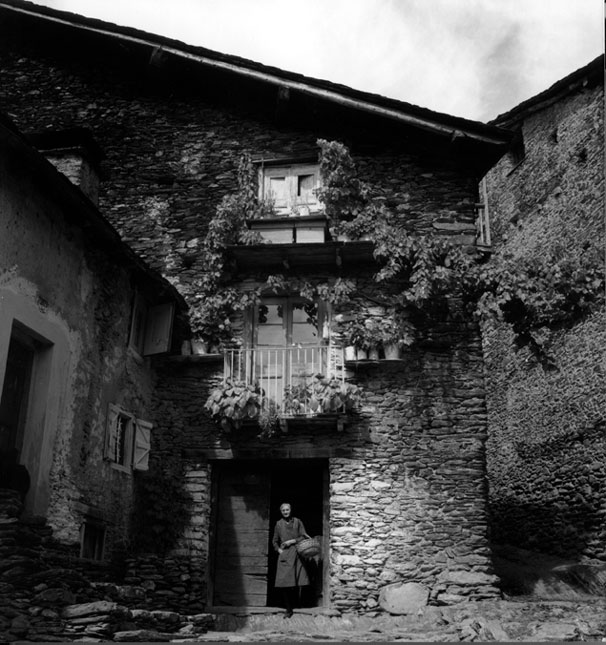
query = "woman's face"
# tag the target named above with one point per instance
(285, 510)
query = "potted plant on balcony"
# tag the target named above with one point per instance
(296, 399)
(331, 395)
(354, 336)
(234, 402)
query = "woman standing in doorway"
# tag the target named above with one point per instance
(290, 572)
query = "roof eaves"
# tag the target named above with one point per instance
(72, 195)
(593, 71)
(405, 113)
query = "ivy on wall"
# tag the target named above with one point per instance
(161, 510)
(534, 296)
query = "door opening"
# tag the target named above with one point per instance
(246, 499)
(301, 483)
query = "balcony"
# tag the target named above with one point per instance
(296, 383)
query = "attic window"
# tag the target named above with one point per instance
(518, 151)
(291, 188)
(151, 327)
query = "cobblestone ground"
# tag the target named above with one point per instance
(519, 620)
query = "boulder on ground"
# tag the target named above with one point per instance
(403, 598)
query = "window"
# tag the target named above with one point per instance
(281, 322)
(127, 441)
(151, 327)
(291, 189)
(289, 344)
(92, 540)
(15, 391)
(482, 218)
(518, 150)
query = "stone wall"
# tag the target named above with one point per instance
(545, 451)
(72, 298)
(171, 153)
(414, 458)
(407, 477)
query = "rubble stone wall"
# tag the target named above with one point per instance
(407, 477)
(545, 451)
(172, 154)
(75, 301)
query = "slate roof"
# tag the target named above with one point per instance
(407, 113)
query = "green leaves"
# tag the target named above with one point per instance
(234, 401)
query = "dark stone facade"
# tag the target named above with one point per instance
(545, 452)
(407, 487)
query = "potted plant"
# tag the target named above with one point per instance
(296, 399)
(393, 332)
(234, 402)
(354, 336)
(331, 395)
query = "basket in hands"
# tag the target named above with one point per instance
(309, 547)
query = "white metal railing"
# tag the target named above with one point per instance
(280, 369)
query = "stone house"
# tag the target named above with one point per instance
(545, 200)
(80, 315)
(397, 491)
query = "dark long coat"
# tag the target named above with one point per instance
(290, 571)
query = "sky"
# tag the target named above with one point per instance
(469, 58)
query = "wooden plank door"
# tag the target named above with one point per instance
(241, 536)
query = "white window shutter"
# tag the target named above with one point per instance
(142, 445)
(159, 329)
(110, 432)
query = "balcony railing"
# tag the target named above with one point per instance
(280, 369)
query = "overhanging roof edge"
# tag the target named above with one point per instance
(490, 134)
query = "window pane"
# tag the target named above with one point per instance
(305, 323)
(270, 325)
(305, 185)
(277, 190)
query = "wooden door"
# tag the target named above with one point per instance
(241, 536)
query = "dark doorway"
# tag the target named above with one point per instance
(13, 409)
(246, 498)
(300, 483)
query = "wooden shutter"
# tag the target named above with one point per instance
(305, 181)
(276, 188)
(142, 444)
(159, 329)
(110, 432)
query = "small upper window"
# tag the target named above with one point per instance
(127, 440)
(151, 327)
(291, 189)
(517, 150)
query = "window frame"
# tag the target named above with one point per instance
(151, 327)
(100, 535)
(137, 441)
(293, 206)
(287, 320)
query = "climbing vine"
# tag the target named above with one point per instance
(534, 296)
(160, 512)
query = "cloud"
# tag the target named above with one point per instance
(472, 58)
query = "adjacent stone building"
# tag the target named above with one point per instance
(397, 491)
(546, 453)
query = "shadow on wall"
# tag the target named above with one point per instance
(570, 527)
(527, 573)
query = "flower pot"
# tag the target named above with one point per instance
(342, 237)
(350, 353)
(198, 346)
(185, 348)
(362, 354)
(373, 354)
(392, 351)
